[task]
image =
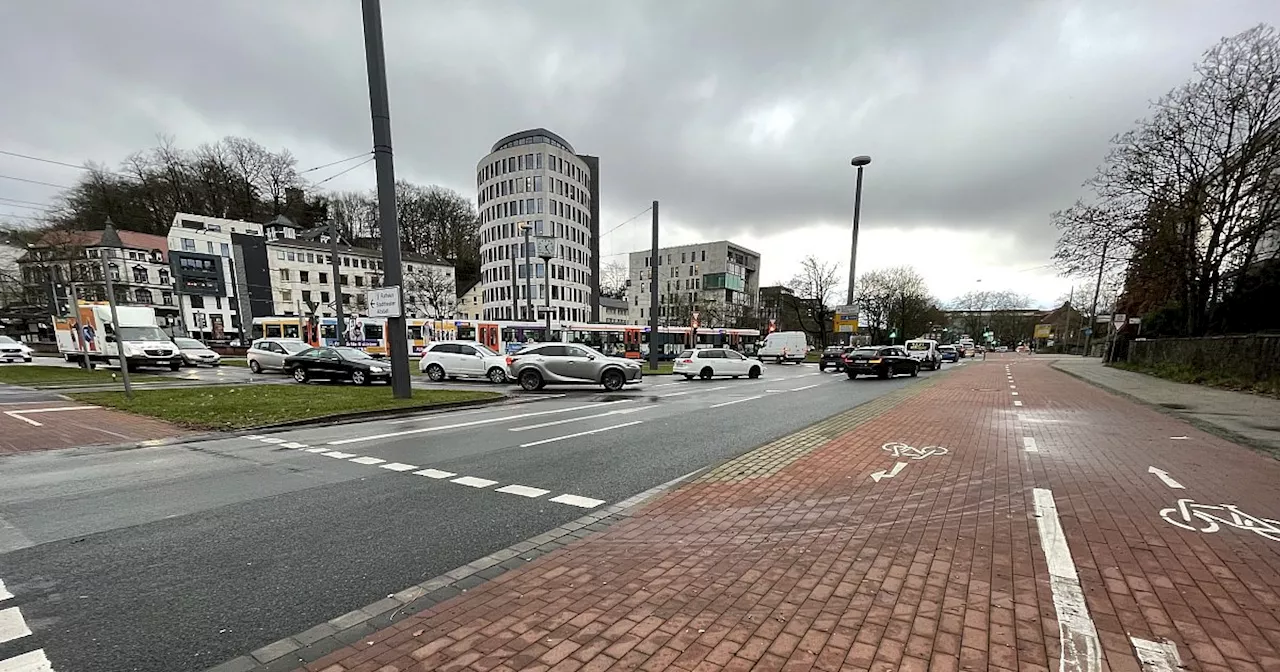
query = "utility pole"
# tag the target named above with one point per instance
(109, 236)
(859, 162)
(337, 286)
(380, 107)
(1097, 288)
(515, 291)
(528, 278)
(654, 263)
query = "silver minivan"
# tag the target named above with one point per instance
(267, 354)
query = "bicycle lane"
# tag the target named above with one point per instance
(1174, 533)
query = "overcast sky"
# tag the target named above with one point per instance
(740, 116)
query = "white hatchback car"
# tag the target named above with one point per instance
(465, 359)
(710, 362)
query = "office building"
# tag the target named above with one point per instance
(613, 311)
(719, 281)
(534, 180)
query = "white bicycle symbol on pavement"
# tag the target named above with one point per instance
(1209, 518)
(903, 450)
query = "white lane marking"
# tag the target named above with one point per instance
(29, 421)
(897, 469)
(523, 491)
(399, 466)
(666, 385)
(1157, 656)
(1013, 387)
(317, 450)
(435, 473)
(1014, 393)
(339, 455)
(1079, 638)
(574, 436)
(1178, 438)
(553, 423)
(4, 592)
(806, 387)
(474, 423)
(33, 661)
(1029, 444)
(736, 401)
(454, 414)
(473, 482)
(581, 502)
(252, 437)
(1164, 476)
(368, 460)
(773, 391)
(271, 439)
(294, 445)
(12, 626)
(1017, 403)
(681, 394)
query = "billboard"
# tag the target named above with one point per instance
(1044, 331)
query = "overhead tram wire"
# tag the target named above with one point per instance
(334, 163)
(23, 179)
(344, 172)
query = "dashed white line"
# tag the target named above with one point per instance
(681, 394)
(806, 387)
(317, 450)
(399, 466)
(12, 626)
(368, 460)
(1014, 393)
(1157, 656)
(1017, 403)
(1029, 444)
(553, 423)
(523, 491)
(1079, 637)
(33, 661)
(271, 439)
(435, 473)
(473, 482)
(574, 500)
(339, 455)
(474, 423)
(252, 437)
(736, 401)
(1013, 387)
(573, 436)
(294, 445)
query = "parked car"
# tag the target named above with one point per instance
(880, 361)
(13, 351)
(339, 363)
(925, 351)
(570, 363)
(710, 362)
(784, 346)
(468, 359)
(195, 353)
(268, 354)
(949, 353)
(1002, 348)
(833, 357)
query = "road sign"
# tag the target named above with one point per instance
(1135, 320)
(1102, 319)
(1044, 330)
(1118, 318)
(846, 319)
(384, 302)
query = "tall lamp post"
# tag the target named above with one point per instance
(859, 162)
(546, 249)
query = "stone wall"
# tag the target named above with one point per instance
(1255, 357)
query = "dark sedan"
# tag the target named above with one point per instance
(833, 357)
(880, 361)
(350, 364)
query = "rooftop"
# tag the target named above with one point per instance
(531, 133)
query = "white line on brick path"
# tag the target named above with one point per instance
(21, 415)
(1157, 656)
(1017, 403)
(1079, 637)
(574, 500)
(523, 490)
(474, 423)
(12, 625)
(33, 661)
(1029, 445)
(576, 435)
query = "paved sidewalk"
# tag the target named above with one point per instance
(1001, 517)
(1240, 416)
(33, 420)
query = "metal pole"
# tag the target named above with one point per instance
(528, 280)
(853, 248)
(75, 316)
(654, 263)
(546, 270)
(115, 324)
(398, 336)
(337, 286)
(1093, 311)
(515, 291)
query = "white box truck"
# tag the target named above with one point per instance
(784, 346)
(91, 332)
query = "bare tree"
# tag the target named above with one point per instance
(431, 294)
(613, 279)
(815, 287)
(895, 304)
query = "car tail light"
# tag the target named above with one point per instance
(510, 359)
(686, 361)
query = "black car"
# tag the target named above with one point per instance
(833, 357)
(351, 364)
(880, 361)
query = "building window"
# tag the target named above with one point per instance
(284, 274)
(143, 296)
(304, 276)
(324, 278)
(286, 295)
(306, 297)
(166, 298)
(140, 275)
(197, 301)
(342, 280)
(217, 302)
(292, 257)
(359, 281)
(280, 255)
(188, 245)
(226, 249)
(324, 297)
(311, 258)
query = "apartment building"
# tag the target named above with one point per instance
(613, 311)
(720, 281)
(470, 304)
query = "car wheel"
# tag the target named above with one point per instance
(688, 376)
(851, 374)
(435, 372)
(300, 375)
(822, 367)
(359, 377)
(883, 373)
(754, 372)
(174, 366)
(915, 371)
(613, 380)
(497, 376)
(706, 373)
(530, 380)
(254, 366)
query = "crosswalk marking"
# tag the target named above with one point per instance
(33, 661)
(435, 473)
(4, 592)
(368, 460)
(473, 482)
(12, 625)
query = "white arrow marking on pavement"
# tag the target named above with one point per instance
(34, 661)
(1029, 444)
(1164, 476)
(897, 468)
(12, 626)
(1157, 656)
(473, 423)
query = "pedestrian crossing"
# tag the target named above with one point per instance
(14, 628)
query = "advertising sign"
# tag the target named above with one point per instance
(846, 319)
(1044, 330)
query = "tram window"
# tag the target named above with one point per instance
(273, 331)
(373, 332)
(290, 331)
(329, 331)
(415, 332)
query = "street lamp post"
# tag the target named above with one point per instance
(111, 242)
(859, 162)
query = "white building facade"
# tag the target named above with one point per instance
(719, 280)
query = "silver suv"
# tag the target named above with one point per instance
(570, 363)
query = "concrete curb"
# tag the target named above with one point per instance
(359, 416)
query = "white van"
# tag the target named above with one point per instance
(784, 346)
(925, 351)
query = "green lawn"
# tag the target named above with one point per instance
(52, 376)
(235, 361)
(241, 407)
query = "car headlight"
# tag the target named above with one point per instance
(130, 351)
(375, 369)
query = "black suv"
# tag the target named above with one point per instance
(833, 357)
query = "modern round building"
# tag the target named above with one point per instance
(534, 179)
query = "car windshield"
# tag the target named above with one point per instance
(867, 351)
(918, 345)
(947, 348)
(142, 334)
(483, 350)
(7, 341)
(293, 347)
(353, 353)
(188, 344)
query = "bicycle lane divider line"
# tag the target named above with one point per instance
(1079, 645)
(4, 592)
(737, 401)
(1157, 656)
(475, 423)
(553, 423)
(576, 435)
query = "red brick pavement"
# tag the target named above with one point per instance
(810, 565)
(69, 429)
